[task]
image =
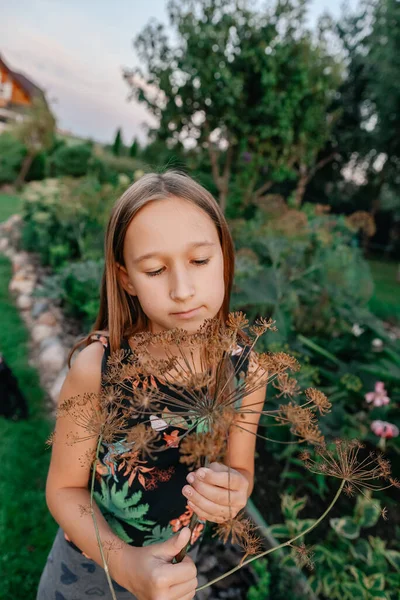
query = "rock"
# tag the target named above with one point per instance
(202, 594)
(24, 302)
(39, 307)
(207, 563)
(11, 223)
(57, 385)
(22, 285)
(52, 358)
(40, 332)
(47, 318)
(48, 341)
(20, 260)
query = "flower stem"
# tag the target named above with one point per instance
(287, 543)
(105, 565)
(193, 522)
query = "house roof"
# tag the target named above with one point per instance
(27, 85)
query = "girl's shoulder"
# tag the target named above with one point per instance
(100, 337)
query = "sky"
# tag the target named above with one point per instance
(75, 51)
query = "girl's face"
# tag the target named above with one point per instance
(180, 275)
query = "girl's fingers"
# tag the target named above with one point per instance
(213, 517)
(216, 494)
(183, 590)
(213, 508)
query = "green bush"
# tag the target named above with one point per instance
(303, 269)
(71, 160)
(76, 287)
(123, 165)
(64, 219)
(102, 171)
(12, 153)
(37, 170)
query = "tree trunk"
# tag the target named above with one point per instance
(222, 198)
(301, 188)
(24, 170)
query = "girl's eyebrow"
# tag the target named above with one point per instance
(188, 247)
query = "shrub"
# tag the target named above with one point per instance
(76, 287)
(37, 170)
(71, 160)
(64, 219)
(303, 268)
(12, 153)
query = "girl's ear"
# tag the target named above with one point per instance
(124, 280)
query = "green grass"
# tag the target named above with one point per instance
(26, 527)
(8, 206)
(385, 302)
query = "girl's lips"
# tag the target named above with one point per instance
(187, 315)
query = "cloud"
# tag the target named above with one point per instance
(90, 96)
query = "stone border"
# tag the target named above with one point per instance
(50, 332)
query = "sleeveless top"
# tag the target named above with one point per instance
(142, 499)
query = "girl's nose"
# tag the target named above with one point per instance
(182, 287)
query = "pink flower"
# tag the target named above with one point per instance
(384, 429)
(379, 397)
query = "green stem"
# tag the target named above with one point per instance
(105, 565)
(317, 348)
(249, 560)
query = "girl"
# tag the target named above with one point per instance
(169, 262)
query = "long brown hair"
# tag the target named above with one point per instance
(121, 314)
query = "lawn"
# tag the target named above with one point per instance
(8, 206)
(26, 526)
(385, 302)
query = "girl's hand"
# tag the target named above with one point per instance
(148, 572)
(208, 494)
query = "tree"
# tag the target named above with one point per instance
(118, 143)
(36, 133)
(134, 149)
(250, 88)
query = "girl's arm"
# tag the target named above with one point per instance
(68, 477)
(208, 493)
(147, 572)
(242, 438)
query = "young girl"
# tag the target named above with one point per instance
(169, 262)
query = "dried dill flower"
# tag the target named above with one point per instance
(241, 531)
(288, 386)
(318, 400)
(343, 463)
(93, 417)
(303, 556)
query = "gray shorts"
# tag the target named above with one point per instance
(68, 575)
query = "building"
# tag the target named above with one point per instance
(16, 95)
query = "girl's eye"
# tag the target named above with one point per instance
(199, 263)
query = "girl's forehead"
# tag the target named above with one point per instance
(172, 221)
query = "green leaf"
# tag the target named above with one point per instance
(330, 585)
(375, 582)
(345, 527)
(279, 531)
(367, 512)
(361, 550)
(393, 557)
(378, 595)
(352, 590)
(299, 525)
(292, 475)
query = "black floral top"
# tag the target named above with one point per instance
(142, 500)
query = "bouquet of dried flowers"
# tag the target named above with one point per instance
(208, 394)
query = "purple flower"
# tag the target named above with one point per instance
(379, 397)
(247, 156)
